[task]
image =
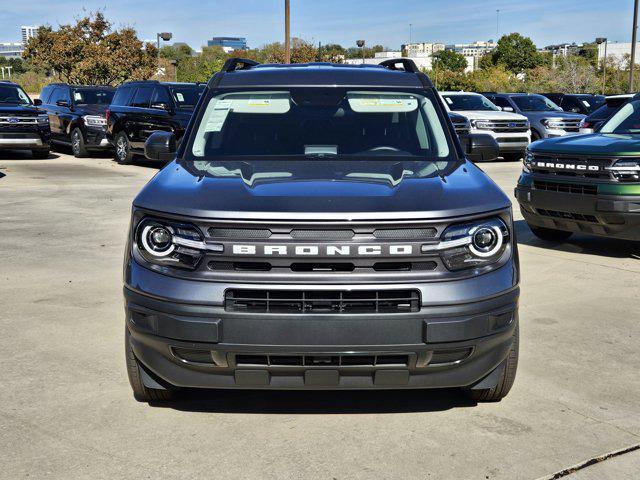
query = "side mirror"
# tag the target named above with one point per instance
(507, 109)
(480, 147)
(161, 147)
(62, 103)
(37, 102)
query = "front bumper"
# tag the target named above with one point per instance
(605, 214)
(24, 141)
(508, 142)
(462, 333)
(96, 138)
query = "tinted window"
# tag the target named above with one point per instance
(186, 97)
(468, 102)
(122, 96)
(87, 96)
(142, 97)
(160, 97)
(604, 112)
(535, 103)
(625, 121)
(59, 93)
(501, 102)
(13, 95)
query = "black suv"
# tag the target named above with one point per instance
(320, 227)
(140, 108)
(77, 116)
(583, 103)
(23, 126)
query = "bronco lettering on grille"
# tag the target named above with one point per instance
(322, 250)
(568, 166)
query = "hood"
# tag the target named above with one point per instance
(463, 190)
(541, 115)
(490, 115)
(91, 109)
(19, 109)
(592, 144)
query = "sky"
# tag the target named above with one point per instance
(384, 22)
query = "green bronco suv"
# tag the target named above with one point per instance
(585, 183)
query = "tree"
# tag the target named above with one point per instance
(516, 53)
(177, 52)
(90, 53)
(449, 60)
(203, 66)
(369, 52)
(331, 52)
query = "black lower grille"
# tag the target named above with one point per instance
(568, 215)
(578, 188)
(332, 302)
(193, 355)
(320, 360)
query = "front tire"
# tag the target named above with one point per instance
(77, 144)
(549, 234)
(123, 149)
(140, 392)
(505, 382)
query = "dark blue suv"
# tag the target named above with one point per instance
(320, 227)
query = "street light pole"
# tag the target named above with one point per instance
(287, 35)
(409, 33)
(165, 36)
(600, 41)
(634, 34)
(360, 43)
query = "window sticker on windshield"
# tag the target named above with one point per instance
(259, 102)
(77, 96)
(276, 103)
(180, 97)
(382, 103)
(448, 100)
(586, 104)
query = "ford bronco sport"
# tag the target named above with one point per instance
(319, 227)
(586, 183)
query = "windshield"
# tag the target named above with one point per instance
(591, 102)
(307, 122)
(13, 95)
(535, 103)
(469, 102)
(85, 96)
(626, 121)
(186, 97)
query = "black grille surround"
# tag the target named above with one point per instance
(602, 175)
(322, 301)
(575, 188)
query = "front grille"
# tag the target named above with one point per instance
(565, 187)
(322, 302)
(320, 360)
(239, 233)
(318, 235)
(506, 126)
(512, 140)
(545, 164)
(568, 215)
(18, 120)
(405, 233)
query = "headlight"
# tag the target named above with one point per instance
(43, 119)
(553, 123)
(527, 161)
(626, 170)
(94, 120)
(472, 245)
(166, 243)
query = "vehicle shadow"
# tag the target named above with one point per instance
(317, 402)
(25, 155)
(579, 243)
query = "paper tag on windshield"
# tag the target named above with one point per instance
(180, 97)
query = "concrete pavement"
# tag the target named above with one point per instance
(66, 410)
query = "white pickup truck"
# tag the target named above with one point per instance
(511, 130)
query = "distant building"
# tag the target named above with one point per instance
(28, 32)
(621, 52)
(475, 49)
(11, 49)
(422, 49)
(228, 43)
(564, 49)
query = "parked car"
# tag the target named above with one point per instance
(611, 105)
(546, 118)
(478, 147)
(23, 126)
(77, 116)
(141, 108)
(587, 183)
(320, 228)
(583, 103)
(509, 129)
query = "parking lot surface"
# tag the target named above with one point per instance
(66, 409)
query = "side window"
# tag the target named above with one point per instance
(160, 98)
(501, 102)
(142, 98)
(122, 96)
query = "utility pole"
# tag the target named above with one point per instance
(287, 34)
(634, 35)
(600, 41)
(409, 33)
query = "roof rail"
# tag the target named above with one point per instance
(408, 65)
(231, 64)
